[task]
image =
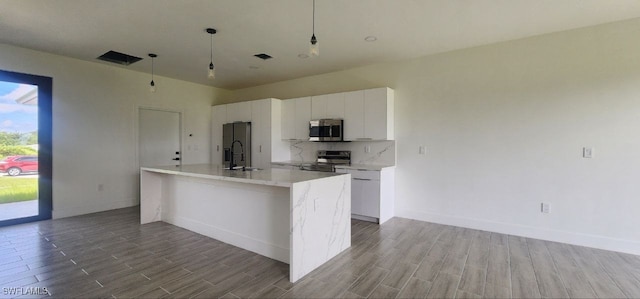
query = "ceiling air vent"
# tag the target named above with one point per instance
(263, 56)
(119, 58)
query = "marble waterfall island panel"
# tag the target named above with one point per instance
(320, 222)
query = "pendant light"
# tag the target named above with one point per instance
(212, 71)
(152, 85)
(314, 48)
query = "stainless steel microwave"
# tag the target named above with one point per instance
(326, 130)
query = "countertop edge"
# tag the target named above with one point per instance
(218, 177)
(373, 167)
(254, 181)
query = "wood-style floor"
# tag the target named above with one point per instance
(110, 254)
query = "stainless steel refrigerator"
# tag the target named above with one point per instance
(236, 142)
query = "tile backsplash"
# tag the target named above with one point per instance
(380, 152)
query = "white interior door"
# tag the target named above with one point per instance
(158, 138)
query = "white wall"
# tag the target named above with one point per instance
(504, 127)
(94, 126)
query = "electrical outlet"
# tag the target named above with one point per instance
(587, 152)
(100, 187)
(544, 208)
(422, 150)
(367, 148)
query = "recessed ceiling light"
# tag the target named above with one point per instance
(371, 38)
(303, 56)
(254, 67)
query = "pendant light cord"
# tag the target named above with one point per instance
(152, 68)
(211, 48)
(313, 26)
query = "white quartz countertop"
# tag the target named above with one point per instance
(268, 176)
(351, 166)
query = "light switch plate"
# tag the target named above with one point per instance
(544, 208)
(587, 152)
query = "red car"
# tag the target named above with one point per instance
(15, 165)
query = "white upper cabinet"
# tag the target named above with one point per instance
(218, 118)
(378, 114)
(335, 106)
(296, 114)
(302, 118)
(354, 115)
(288, 110)
(319, 107)
(369, 114)
(327, 106)
(238, 112)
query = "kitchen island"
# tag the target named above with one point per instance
(298, 217)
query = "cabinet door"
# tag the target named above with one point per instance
(370, 198)
(357, 196)
(354, 115)
(288, 119)
(335, 106)
(375, 114)
(218, 118)
(319, 107)
(260, 133)
(239, 112)
(302, 118)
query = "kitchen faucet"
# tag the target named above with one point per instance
(232, 163)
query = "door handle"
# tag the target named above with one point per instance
(176, 159)
(177, 153)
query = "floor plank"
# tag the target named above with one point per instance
(110, 254)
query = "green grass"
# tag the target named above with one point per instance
(14, 189)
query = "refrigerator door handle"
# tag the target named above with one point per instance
(227, 154)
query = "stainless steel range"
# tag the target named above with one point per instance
(327, 160)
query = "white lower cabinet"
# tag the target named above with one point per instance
(372, 193)
(365, 197)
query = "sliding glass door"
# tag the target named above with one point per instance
(25, 148)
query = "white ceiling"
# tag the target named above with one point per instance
(174, 29)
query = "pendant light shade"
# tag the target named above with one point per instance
(212, 71)
(314, 48)
(152, 84)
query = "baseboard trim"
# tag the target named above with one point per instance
(365, 218)
(92, 208)
(588, 240)
(242, 241)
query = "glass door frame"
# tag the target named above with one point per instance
(45, 153)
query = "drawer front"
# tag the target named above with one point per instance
(364, 174)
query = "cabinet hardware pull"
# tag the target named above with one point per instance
(358, 179)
